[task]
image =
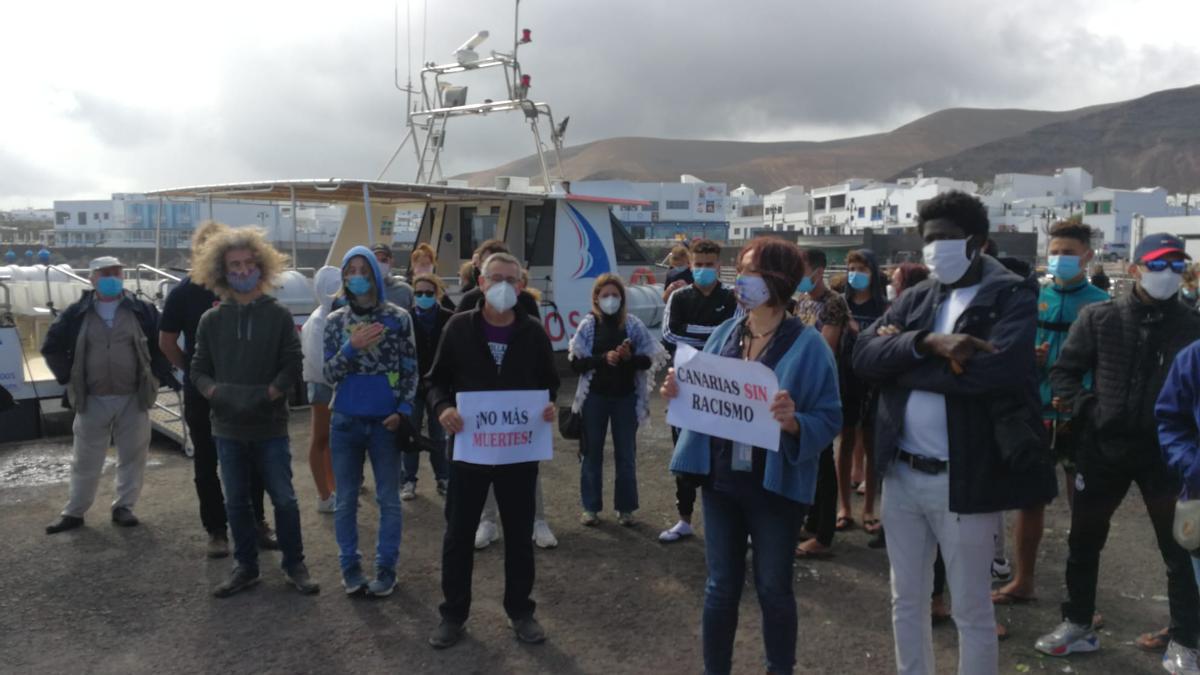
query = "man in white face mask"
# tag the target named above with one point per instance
(1127, 346)
(946, 355)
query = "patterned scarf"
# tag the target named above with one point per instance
(643, 343)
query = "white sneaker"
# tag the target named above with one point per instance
(1001, 570)
(486, 534)
(328, 505)
(1068, 638)
(542, 536)
(408, 491)
(1180, 660)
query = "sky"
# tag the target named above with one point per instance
(127, 96)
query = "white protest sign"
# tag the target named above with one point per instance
(503, 427)
(12, 365)
(726, 398)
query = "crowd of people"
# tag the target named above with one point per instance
(946, 392)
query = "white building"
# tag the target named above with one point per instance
(786, 209)
(1111, 211)
(687, 209)
(1023, 202)
(742, 200)
(1186, 228)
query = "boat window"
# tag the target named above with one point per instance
(539, 233)
(474, 229)
(627, 250)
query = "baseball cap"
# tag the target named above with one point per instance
(1155, 246)
(381, 247)
(103, 262)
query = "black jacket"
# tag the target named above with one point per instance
(427, 342)
(1129, 345)
(464, 362)
(1003, 312)
(59, 346)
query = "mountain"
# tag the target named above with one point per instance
(1150, 141)
(769, 166)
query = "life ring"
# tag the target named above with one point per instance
(642, 276)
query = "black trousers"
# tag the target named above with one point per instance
(685, 492)
(204, 465)
(514, 485)
(1100, 488)
(822, 517)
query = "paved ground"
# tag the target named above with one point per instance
(107, 600)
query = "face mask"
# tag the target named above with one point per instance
(679, 269)
(751, 291)
(859, 280)
(806, 285)
(1064, 267)
(423, 269)
(947, 259)
(109, 287)
(892, 293)
(704, 276)
(358, 284)
(1161, 285)
(502, 296)
(610, 304)
(243, 283)
(426, 301)
(385, 269)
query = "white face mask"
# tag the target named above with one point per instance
(947, 259)
(385, 269)
(610, 304)
(751, 291)
(502, 296)
(891, 293)
(1161, 285)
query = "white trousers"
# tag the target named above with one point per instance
(491, 512)
(917, 519)
(115, 418)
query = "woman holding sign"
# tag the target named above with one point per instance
(612, 352)
(751, 491)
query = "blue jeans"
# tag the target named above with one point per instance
(598, 409)
(352, 440)
(437, 458)
(272, 459)
(771, 522)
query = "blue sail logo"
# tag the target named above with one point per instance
(593, 258)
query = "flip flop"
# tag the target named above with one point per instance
(872, 525)
(806, 554)
(844, 523)
(1003, 598)
(1153, 642)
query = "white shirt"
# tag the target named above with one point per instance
(924, 431)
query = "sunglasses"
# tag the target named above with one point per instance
(1177, 266)
(424, 294)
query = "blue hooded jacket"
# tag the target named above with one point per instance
(382, 379)
(1178, 413)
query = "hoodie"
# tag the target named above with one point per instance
(326, 283)
(381, 380)
(241, 350)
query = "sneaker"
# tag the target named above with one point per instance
(446, 635)
(384, 584)
(542, 536)
(528, 630)
(63, 524)
(327, 505)
(124, 517)
(442, 484)
(1180, 660)
(589, 519)
(266, 537)
(298, 577)
(1001, 571)
(353, 581)
(678, 531)
(486, 534)
(218, 545)
(408, 491)
(239, 580)
(625, 519)
(1068, 638)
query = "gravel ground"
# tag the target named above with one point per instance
(613, 600)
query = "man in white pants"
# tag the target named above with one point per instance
(955, 362)
(104, 350)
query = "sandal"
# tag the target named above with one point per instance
(1003, 598)
(803, 553)
(871, 525)
(1153, 642)
(844, 523)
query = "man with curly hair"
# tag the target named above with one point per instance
(247, 358)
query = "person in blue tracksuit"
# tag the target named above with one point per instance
(1178, 413)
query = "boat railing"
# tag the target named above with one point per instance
(164, 278)
(65, 271)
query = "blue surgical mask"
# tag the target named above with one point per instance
(358, 284)
(426, 301)
(244, 283)
(109, 287)
(806, 285)
(859, 281)
(704, 276)
(1064, 267)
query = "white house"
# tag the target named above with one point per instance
(785, 209)
(742, 200)
(687, 209)
(1112, 211)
